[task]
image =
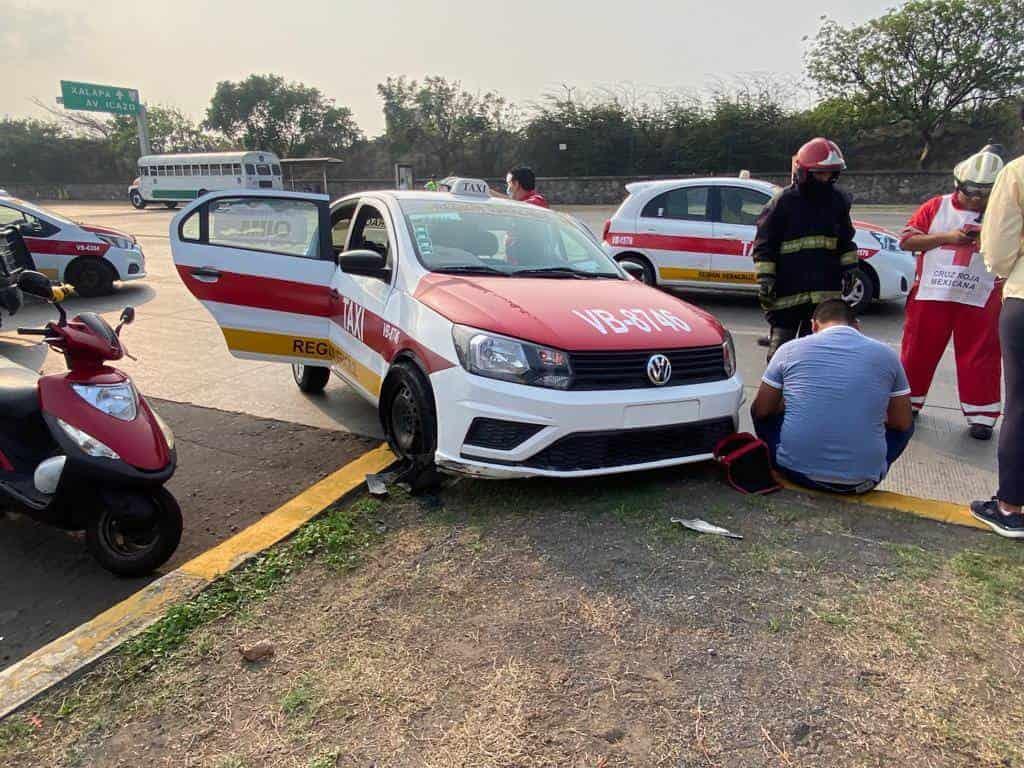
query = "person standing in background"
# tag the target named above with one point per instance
(1002, 245)
(521, 185)
(955, 295)
(804, 251)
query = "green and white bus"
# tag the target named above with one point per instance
(171, 179)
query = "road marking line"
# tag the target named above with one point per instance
(87, 643)
(942, 511)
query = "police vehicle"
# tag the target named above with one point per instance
(91, 258)
(699, 233)
(494, 337)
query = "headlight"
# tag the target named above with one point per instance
(729, 355)
(117, 400)
(499, 357)
(886, 242)
(168, 434)
(87, 442)
(117, 241)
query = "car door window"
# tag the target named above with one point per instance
(741, 206)
(370, 232)
(685, 203)
(10, 216)
(277, 225)
(341, 222)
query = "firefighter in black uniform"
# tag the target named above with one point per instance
(804, 251)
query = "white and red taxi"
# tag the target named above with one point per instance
(493, 336)
(91, 258)
(699, 233)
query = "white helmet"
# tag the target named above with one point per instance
(976, 175)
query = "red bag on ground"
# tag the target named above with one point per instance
(747, 462)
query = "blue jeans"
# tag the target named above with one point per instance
(770, 430)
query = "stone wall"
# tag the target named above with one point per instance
(867, 187)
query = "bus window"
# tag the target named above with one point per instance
(186, 170)
(204, 169)
(238, 169)
(250, 169)
(215, 169)
(263, 169)
(143, 170)
(277, 169)
(178, 171)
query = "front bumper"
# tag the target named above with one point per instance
(582, 433)
(130, 263)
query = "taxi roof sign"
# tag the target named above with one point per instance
(465, 187)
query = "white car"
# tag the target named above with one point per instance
(699, 233)
(495, 338)
(91, 258)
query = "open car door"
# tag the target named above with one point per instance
(261, 263)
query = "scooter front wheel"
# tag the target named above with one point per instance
(134, 533)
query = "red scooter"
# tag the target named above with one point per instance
(83, 449)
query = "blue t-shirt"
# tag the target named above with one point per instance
(837, 385)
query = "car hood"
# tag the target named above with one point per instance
(105, 231)
(575, 315)
(869, 227)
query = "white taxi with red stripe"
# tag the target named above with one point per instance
(495, 338)
(91, 258)
(698, 233)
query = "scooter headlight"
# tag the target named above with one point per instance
(117, 400)
(168, 434)
(87, 442)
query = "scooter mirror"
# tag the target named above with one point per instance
(36, 284)
(128, 316)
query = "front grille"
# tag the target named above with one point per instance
(499, 435)
(628, 370)
(620, 448)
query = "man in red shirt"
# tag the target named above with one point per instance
(955, 295)
(521, 185)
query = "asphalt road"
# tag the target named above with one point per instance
(232, 470)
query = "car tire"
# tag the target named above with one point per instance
(91, 277)
(863, 292)
(650, 277)
(312, 379)
(409, 415)
(170, 205)
(135, 198)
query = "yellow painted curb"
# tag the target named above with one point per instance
(88, 642)
(942, 511)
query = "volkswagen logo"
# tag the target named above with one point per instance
(659, 370)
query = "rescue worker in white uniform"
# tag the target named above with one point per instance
(955, 295)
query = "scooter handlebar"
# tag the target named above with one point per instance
(32, 332)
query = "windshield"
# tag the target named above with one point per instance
(455, 236)
(39, 212)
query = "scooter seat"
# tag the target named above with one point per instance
(19, 392)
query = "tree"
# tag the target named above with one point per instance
(439, 121)
(289, 119)
(925, 61)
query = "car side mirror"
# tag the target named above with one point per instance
(366, 263)
(36, 284)
(128, 316)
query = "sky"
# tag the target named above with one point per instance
(176, 52)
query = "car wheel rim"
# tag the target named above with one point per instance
(856, 294)
(405, 420)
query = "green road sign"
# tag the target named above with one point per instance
(99, 98)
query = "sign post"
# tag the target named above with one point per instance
(113, 99)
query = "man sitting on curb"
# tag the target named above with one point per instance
(834, 407)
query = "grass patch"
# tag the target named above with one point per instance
(15, 733)
(996, 582)
(914, 562)
(337, 538)
(298, 701)
(325, 759)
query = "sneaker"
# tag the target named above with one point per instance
(1010, 526)
(981, 432)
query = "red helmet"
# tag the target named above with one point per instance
(819, 154)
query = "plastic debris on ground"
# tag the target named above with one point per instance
(702, 526)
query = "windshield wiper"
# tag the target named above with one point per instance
(563, 272)
(468, 269)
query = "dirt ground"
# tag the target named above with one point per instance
(571, 624)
